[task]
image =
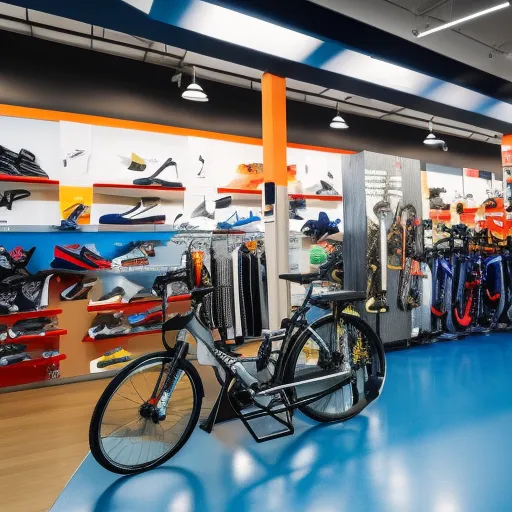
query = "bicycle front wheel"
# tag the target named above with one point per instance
(347, 347)
(145, 415)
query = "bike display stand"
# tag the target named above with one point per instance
(222, 411)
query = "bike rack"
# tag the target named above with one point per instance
(273, 410)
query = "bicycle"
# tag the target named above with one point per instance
(330, 370)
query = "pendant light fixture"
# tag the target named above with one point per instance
(432, 140)
(338, 123)
(194, 92)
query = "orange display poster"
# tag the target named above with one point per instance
(71, 197)
(506, 151)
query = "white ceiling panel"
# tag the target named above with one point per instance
(60, 37)
(15, 26)
(355, 109)
(220, 77)
(58, 21)
(452, 131)
(162, 60)
(116, 49)
(303, 86)
(396, 118)
(461, 125)
(298, 96)
(125, 38)
(332, 93)
(416, 113)
(366, 102)
(12, 10)
(202, 60)
(256, 86)
(324, 102)
(478, 136)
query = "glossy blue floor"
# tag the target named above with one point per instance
(438, 439)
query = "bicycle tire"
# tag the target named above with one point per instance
(378, 368)
(122, 377)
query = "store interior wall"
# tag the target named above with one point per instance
(42, 74)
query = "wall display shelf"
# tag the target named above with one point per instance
(316, 197)
(88, 339)
(34, 363)
(138, 191)
(135, 307)
(41, 336)
(14, 317)
(8, 182)
(240, 195)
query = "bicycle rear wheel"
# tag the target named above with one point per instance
(344, 345)
(129, 433)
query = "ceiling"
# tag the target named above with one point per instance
(46, 26)
(484, 43)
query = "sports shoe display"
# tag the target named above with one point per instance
(80, 290)
(136, 256)
(317, 229)
(14, 358)
(136, 215)
(250, 223)
(155, 178)
(122, 291)
(9, 349)
(20, 164)
(250, 177)
(151, 316)
(114, 356)
(7, 197)
(71, 222)
(77, 257)
(108, 325)
(49, 353)
(31, 326)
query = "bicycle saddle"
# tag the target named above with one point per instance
(301, 278)
(339, 296)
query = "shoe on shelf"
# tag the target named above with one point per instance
(71, 222)
(7, 197)
(137, 256)
(32, 326)
(114, 356)
(49, 353)
(122, 291)
(20, 164)
(241, 223)
(78, 290)
(136, 215)
(77, 257)
(316, 229)
(151, 316)
(108, 325)
(155, 178)
(9, 349)
(14, 358)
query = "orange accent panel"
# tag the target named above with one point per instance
(273, 96)
(53, 115)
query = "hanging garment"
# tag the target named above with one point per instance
(250, 292)
(263, 290)
(237, 295)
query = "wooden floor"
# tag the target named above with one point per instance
(43, 438)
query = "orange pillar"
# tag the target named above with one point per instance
(506, 161)
(275, 197)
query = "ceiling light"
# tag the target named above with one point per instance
(338, 123)
(462, 20)
(194, 92)
(432, 140)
